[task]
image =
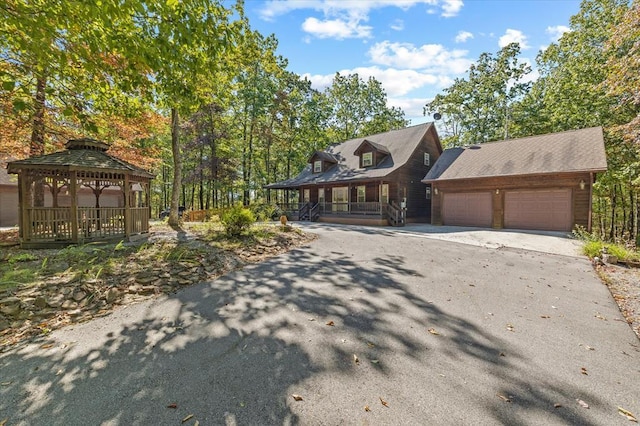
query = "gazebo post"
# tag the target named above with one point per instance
(74, 206)
(24, 220)
(127, 207)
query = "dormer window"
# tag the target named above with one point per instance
(317, 166)
(367, 159)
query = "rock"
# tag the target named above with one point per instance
(4, 324)
(69, 304)
(146, 278)
(40, 302)
(79, 295)
(12, 300)
(184, 282)
(56, 301)
(112, 295)
(133, 289)
(10, 310)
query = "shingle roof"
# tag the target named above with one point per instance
(400, 144)
(571, 151)
(81, 154)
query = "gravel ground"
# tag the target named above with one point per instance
(624, 284)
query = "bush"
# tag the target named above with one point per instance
(594, 248)
(264, 212)
(237, 220)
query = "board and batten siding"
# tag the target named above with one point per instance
(580, 198)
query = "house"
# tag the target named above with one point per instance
(540, 182)
(8, 198)
(369, 180)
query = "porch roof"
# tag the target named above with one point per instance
(399, 143)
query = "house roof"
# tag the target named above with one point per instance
(399, 143)
(81, 154)
(6, 178)
(571, 151)
(378, 147)
(324, 156)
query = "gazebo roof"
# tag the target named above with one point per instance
(81, 155)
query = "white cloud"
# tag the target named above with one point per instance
(463, 36)
(451, 8)
(556, 32)
(332, 8)
(397, 25)
(336, 28)
(513, 36)
(433, 57)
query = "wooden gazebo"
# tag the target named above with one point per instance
(63, 198)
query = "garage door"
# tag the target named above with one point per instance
(467, 209)
(546, 210)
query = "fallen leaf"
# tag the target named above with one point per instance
(502, 354)
(172, 405)
(383, 402)
(375, 361)
(584, 371)
(434, 331)
(504, 398)
(330, 323)
(510, 327)
(582, 403)
(189, 417)
(557, 405)
(366, 408)
(312, 319)
(371, 345)
(197, 423)
(46, 346)
(627, 414)
(296, 397)
(545, 316)
(356, 359)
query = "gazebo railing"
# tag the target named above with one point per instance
(54, 224)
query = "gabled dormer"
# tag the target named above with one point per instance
(371, 154)
(321, 161)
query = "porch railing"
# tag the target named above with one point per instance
(363, 208)
(395, 215)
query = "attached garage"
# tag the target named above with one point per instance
(540, 182)
(467, 209)
(550, 210)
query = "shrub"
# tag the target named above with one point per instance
(237, 220)
(263, 211)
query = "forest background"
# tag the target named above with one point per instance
(188, 90)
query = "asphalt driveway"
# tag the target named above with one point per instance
(367, 325)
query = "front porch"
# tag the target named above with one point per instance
(363, 213)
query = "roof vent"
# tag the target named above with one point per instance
(86, 143)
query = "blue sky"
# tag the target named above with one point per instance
(415, 48)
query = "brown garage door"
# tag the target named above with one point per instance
(467, 209)
(547, 210)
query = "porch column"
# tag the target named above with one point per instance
(23, 220)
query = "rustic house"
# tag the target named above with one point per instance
(539, 182)
(370, 180)
(86, 195)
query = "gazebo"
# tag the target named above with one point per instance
(79, 195)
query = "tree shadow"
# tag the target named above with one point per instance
(234, 350)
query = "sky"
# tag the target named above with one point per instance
(415, 48)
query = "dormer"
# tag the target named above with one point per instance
(371, 154)
(321, 161)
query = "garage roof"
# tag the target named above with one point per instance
(571, 151)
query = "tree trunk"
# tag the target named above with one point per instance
(174, 220)
(37, 136)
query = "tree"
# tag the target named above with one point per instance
(478, 109)
(360, 108)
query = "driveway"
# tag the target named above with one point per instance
(367, 325)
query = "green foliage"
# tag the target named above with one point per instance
(595, 249)
(21, 257)
(264, 211)
(237, 220)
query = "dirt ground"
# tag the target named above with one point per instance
(624, 284)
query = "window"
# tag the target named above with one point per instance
(427, 159)
(428, 193)
(321, 196)
(384, 193)
(317, 166)
(306, 195)
(367, 159)
(362, 191)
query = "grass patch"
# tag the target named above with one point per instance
(595, 248)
